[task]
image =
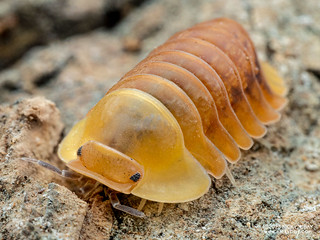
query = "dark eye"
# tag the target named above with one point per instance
(79, 151)
(135, 177)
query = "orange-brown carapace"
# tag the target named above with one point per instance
(193, 103)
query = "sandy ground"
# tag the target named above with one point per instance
(52, 74)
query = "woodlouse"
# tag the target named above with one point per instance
(197, 98)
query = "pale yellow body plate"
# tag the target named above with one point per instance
(139, 126)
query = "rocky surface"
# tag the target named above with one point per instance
(278, 181)
(24, 24)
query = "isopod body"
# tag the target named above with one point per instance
(193, 103)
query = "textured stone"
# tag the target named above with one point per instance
(276, 196)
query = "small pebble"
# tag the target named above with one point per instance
(311, 167)
(132, 44)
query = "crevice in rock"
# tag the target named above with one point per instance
(269, 51)
(46, 78)
(315, 72)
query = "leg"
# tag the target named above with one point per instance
(142, 203)
(160, 208)
(229, 175)
(63, 173)
(88, 190)
(117, 205)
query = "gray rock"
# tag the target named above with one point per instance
(276, 197)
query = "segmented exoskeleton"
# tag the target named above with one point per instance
(193, 102)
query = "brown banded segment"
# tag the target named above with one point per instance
(194, 88)
(201, 98)
(226, 70)
(242, 63)
(275, 100)
(238, 33)
(230, 122)
(186, 114)
(221, 93)
(232, 48)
